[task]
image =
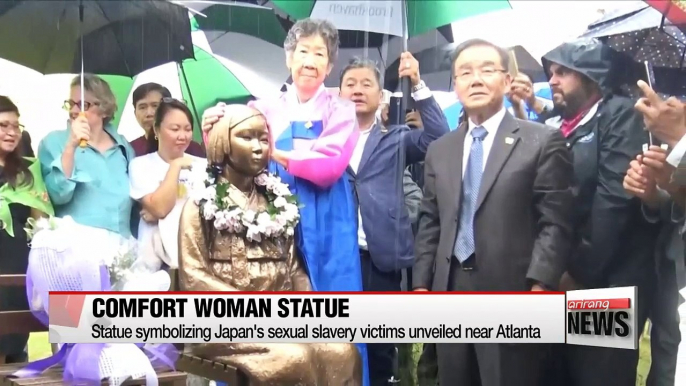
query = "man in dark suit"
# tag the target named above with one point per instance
(376, 172)
(495, 214)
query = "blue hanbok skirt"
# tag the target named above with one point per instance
(326, 237)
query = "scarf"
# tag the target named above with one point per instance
(568, 125)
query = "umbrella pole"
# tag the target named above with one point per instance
(405, 81)
(82, 143)
(190, 94)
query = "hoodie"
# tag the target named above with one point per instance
(613, 242)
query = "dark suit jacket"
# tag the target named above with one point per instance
(378, 185)
(522, 222)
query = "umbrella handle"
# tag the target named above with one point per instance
(83, 143)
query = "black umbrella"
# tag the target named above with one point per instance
(642, 33)
(435, 66)
(120, 37)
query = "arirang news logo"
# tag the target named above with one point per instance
(602, 317)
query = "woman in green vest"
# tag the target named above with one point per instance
(22, 196)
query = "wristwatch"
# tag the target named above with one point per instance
(420, 86)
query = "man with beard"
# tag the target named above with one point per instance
(613, 242)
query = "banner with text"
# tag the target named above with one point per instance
(223, 317)
(604, 317)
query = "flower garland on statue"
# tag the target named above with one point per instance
(280, 217)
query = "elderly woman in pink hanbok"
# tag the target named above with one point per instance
(314, 133)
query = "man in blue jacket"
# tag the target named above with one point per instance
(376, 171)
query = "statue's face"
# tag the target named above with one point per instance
(249, 144)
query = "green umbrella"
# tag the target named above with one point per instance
(202, 83)
(207, 80)
(121, 88)
(387, 17)
(247, 34)
(241, 18)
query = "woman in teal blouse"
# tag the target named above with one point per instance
(89, 183)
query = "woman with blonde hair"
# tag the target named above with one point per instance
(89, 181)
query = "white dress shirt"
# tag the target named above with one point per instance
(421, 94)
(675, 156)
(491, 125)
(355, 164)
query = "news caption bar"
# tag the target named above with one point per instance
(117, 317)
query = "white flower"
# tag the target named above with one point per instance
(248, 216)
(280, 202)
(253, 233)
(273, 229)
(281, 190)
(220, 223)
(209, 210)
(233, 220)
(264, 218)
(272, 182)
(281, 220)
(42, 223)
(255, 224)
(262, 179)
(290, 212)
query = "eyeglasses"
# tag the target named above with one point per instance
(69, 104)
(9, 127)
(486, 72)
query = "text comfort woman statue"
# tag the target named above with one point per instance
(229, 241)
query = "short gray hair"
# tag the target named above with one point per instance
(312, 27)
(101, 91)
(358, 62)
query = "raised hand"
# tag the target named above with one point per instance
(80, 130)
(409, 67)
(665, 119)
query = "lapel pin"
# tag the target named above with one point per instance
(664, 146)
(308, 125)
(645, 147)
(509, 140)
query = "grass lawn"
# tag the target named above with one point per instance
(39, 348)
